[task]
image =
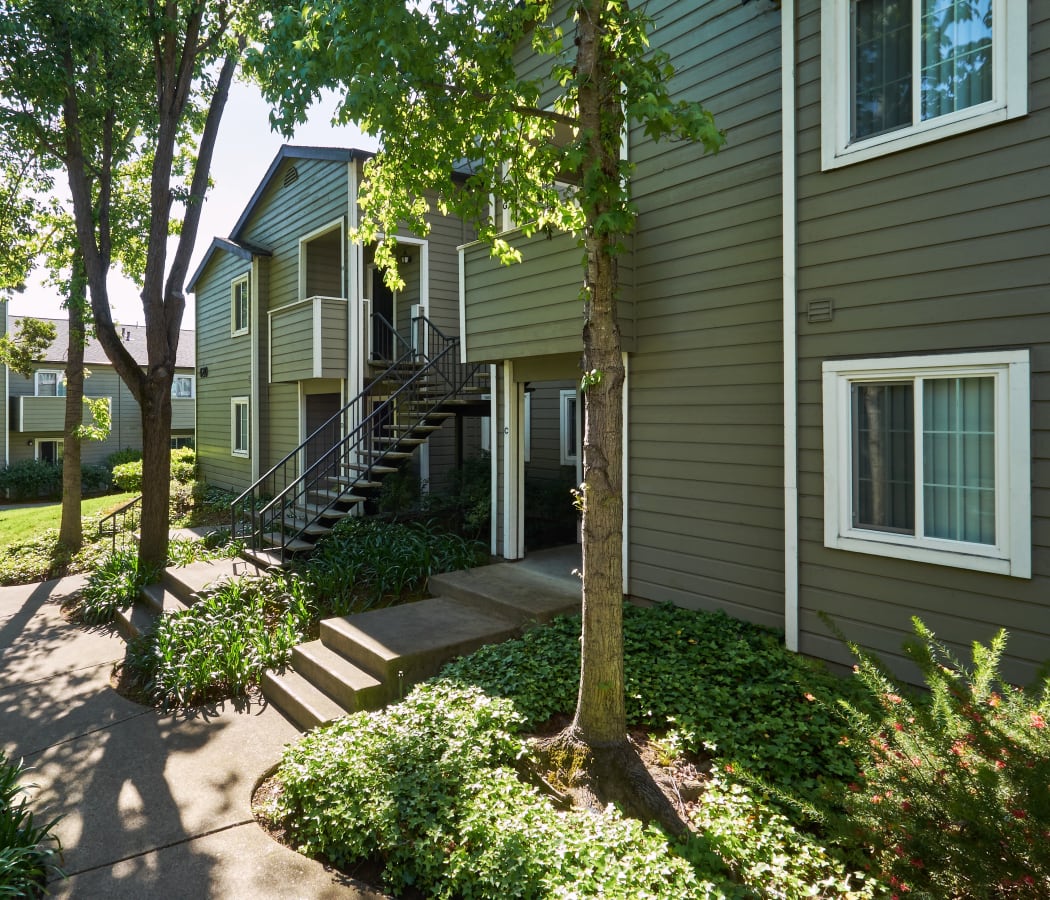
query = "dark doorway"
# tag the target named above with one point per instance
(382, 317)
(319, 409)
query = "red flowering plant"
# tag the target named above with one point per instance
(954, 796)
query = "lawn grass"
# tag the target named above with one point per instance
(20, 523)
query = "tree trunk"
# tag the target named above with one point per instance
(71, 534)
(600, 718)
(156, 472)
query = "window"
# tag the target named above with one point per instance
(182, 387)
(897, 73)
(570, 428)
(49, 383)
(240, 306)
(927, 458)
(240, 439)
(177, 443)
(50, 451)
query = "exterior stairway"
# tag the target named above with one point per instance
(367, 660)
(340, 467)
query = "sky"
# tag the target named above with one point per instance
(243, 151)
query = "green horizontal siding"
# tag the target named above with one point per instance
(938, 248)
(532, 308)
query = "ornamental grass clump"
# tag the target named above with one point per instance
(113, 586)
(29, 851)
(954, 796)
(221, 645)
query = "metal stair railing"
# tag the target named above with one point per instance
(365, 440)
(121, 523)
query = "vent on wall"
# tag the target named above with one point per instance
(291, 175)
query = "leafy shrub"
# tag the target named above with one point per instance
(954, 799)
(760, 847)
(365, 560)
(28, 851)
(221, 645)
(126, 455)
(769, 713)
(31, 479)
(113, 586)
(467, 498)
(183, 465)
(427, 786)
(95, 479)
(128, 476)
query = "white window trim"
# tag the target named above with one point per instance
(337, 225)
(234, 330)
(60, 382)
(569, 455)
(193, 387)
(1012, 552)
(1009, 87)
(234, 450)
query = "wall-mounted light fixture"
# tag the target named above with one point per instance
(29, 443)
(203, 371)
(404, 259)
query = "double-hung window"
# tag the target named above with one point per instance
(240, 435)
(927, 458)
(240, 306)
(49, 383)
(897, 73)
(182, 387)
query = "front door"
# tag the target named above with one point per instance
(319, 409)
(382, 316)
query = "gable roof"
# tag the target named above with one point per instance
(134, 337)
(234, 244)
(242, 251)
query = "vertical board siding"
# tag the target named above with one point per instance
(938, 248)
(705, 493)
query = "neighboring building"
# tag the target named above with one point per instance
(292, 320)
(34, 414)
(837, 330)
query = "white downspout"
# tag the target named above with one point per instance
(789, 221)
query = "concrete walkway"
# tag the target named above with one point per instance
(153, 805)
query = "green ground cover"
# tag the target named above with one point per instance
(19, 524)
(813, 786)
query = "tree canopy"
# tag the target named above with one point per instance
(478, 103)
(125, 97)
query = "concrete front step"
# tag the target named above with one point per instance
(405, 644)
(350, 686)
(510, 589)
(154, 601)
(306, 705)
(186, 582)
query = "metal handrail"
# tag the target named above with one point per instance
(123, 513)
(290, 498)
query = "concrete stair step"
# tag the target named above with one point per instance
(135, 621)
(186, 582)
(161, 600)
(154, 601)
(511, 590)
(350, 686)
(405, 644)
(295, 545)
(306, 705)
